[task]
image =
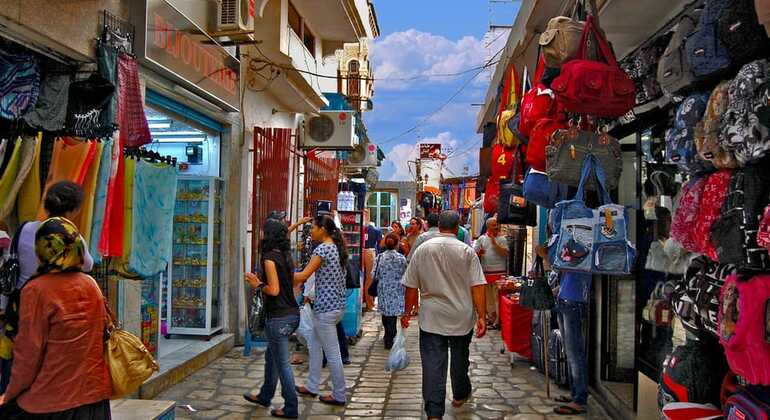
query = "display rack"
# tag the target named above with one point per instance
(193, 301)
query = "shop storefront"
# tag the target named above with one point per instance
(686, 159)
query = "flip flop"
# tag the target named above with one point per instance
(252, 399)
(566, 410)
(329, 400)
(301, 390)
(281, 415)
(563, 399)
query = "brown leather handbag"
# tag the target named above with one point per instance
(569, 148)
(561, 39)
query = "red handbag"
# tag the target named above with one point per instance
(539, 102)
(492, 196)
(595, 88)
(539, 140)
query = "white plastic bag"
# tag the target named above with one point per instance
(398, 358)
(305, 329)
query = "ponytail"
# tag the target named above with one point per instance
(327, 223)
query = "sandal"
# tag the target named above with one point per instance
(459, 403)
(563, 399)
(252, 399)
(301, 390)
(281, 415)
(567, 410)
(329, 400)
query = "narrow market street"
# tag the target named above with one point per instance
(499, 391)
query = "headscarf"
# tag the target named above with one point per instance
(59, 246)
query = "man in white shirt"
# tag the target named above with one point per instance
(447, 275)
(492, 249)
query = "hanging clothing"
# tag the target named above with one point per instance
(19, 83)
(100, 199)
(69, 163)
(121, 264)
(3, 148)
(86, 101)
(154, 198)
(134, 130)
(31, 191)
(111, 240)
(84, 218)
(107, 62)
(50, 111)
(46, 156)
(15, 173)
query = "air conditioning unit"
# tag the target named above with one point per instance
(235, 15)
(331, 130)
(363, 155)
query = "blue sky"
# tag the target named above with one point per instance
(424, 37)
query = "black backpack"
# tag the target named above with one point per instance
(706, 53)
(739, 31)
(693, 373)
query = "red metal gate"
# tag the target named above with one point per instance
(322, 176)
(270, 178)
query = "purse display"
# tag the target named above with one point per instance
(540, 138)
(541, 191)
(568, 150)
(707, 54)
(598, 88)
(674, 68)
(514, 208)
(593, 240)
(536, 294)
(129, 361)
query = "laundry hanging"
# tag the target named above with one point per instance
(15, 173)
(70, 161)
(154, 198)
(84, 218)
(28, 201)
(100, 200)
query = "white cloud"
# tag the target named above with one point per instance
(397, 159)
(413, 53)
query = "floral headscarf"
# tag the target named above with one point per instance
(59, 246)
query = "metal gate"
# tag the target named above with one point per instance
(322, 176)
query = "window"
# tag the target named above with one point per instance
(309, 40)
(382, 208)
(354, 82)
(298, 25)
(295, 21)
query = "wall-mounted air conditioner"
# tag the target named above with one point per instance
(331, 130)
(235, 15)
(364, 155)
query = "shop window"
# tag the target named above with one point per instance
(382, 208)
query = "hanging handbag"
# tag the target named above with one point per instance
(601, 89)
(10, 269)
(372, 290)
(129, 361)
(593, 240)
(513, 208)
(535, 292)
(541, 191)
(540, 138)
(568, 150)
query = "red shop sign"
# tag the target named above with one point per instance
(173, 44)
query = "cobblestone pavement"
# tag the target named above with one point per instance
(499, 391)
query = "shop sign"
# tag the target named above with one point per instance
(430, 151)
(431, 175)
(170, 42)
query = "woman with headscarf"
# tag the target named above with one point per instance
(282, 318)
(59, 370)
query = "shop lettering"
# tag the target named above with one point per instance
(181, 46)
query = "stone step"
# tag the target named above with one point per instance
(142, 410)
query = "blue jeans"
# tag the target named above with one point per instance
(324, 341)
(277, 367)
(435, 352)
(571, 316)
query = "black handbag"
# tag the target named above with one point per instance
(257, 313)
(535, 291)
(352, 276)
(372, 290)
(9, 271)
(513, 208)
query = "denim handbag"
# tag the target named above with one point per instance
(592, 240)
(541, 191)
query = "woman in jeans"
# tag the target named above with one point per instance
(389, 268)
(282, 318)
(328, 262)
(59, 371)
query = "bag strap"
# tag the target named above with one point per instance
(591, 163)
(538, 267)
(591, 28)
(540, 69)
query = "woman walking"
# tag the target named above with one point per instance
(403, 244)
(416, 228)
(59, 371)
(328, 262)
(389, 268)
(282, 318)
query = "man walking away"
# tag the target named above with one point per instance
(431, 233)
(448, 276)
(492, 249)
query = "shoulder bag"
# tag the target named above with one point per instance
(535, 291)
(568, 150)
(10, 269)
(598, 88)
(372, 290)
(513, 208)
(129, 361)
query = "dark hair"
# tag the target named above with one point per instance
(391, 241)
(400, 226)
(419, 222)
(327, 223)
(433, 220)
(63, 197)
(275, 236)
(449, 220)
